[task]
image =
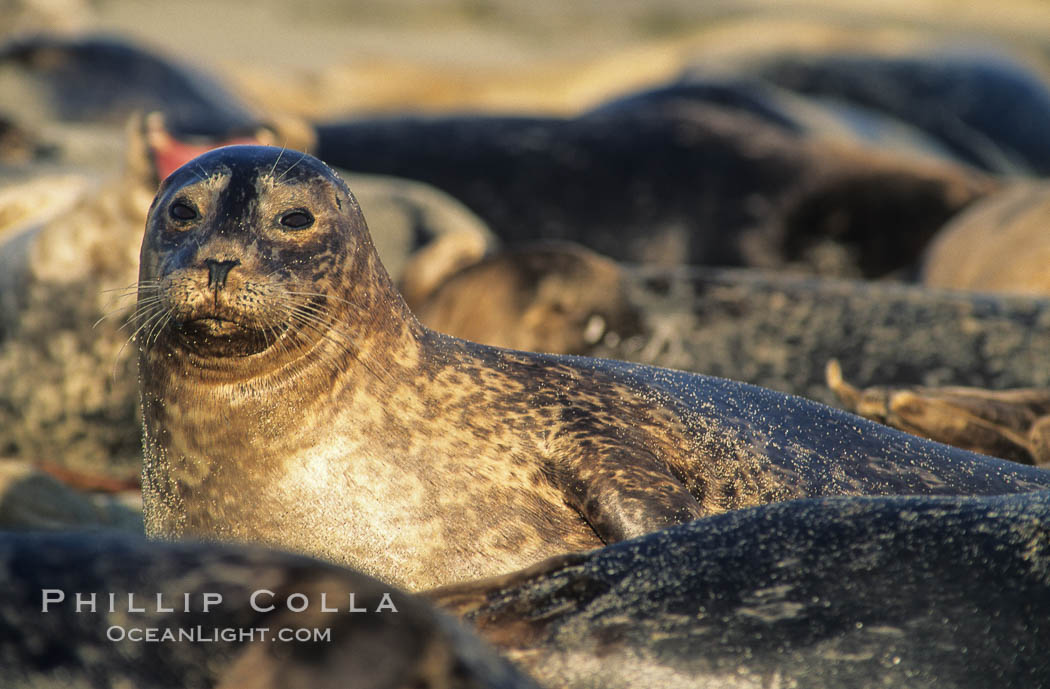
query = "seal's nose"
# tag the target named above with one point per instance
(217, 272)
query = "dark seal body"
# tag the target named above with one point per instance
(290, 397)
(229, 611)
(100, 78)
(982, 107)
(624, 182)
(827, 593)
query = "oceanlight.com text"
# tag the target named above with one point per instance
(203, 634)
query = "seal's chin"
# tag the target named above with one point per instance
(218, 337)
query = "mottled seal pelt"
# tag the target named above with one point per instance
(114, 611)
(822, 593)
(290, 397)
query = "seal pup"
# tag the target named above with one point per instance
(821, 593)
(555, 297)
(96, 611)
(289, 396)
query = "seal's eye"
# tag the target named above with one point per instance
(297, 219)
(180, 210)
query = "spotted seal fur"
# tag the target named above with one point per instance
(290, 397)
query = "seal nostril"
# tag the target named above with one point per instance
(218, 270)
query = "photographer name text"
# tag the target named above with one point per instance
(261, 600)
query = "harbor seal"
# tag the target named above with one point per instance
(289, 396)
(104, 610)
(821, 593)
(624, 182)
(553, 297)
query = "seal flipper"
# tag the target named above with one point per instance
(624, 495)
(1039, 441)
(1011, 424)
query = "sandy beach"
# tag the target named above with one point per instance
(325, 58)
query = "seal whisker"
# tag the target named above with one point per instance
(157, 329)
(140, 308)
(332, 366)
(120, 293)
(146, 315)
(118, 297)
(149, 315)
(123, 307)
(294, 330)
(299, 333)
(320, 315)
(307, 305)
(271, 330)
(326, 328)
(132, 287)
(203, 176)
(278, 341)
(359, 307)
(290, 167)
(109, 313)
(310, 307)
(278, 160)
(265, 337)
(319, 324)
